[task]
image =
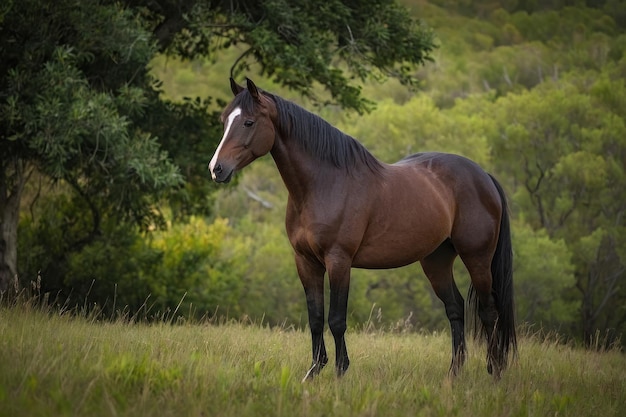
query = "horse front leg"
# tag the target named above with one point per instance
(339, 277)
(312, 278)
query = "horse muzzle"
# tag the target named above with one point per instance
(222, 174)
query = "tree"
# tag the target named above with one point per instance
(66, 114)
(81, 110)
(568, 139)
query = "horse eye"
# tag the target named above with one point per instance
(248, 123)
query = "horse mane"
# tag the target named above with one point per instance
(316, 136)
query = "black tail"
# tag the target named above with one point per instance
(504, 335)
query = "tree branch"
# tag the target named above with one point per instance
(264, 203)
(242, 56)
(174, 21)
(533, 191)
(95, 216)
(608, 294)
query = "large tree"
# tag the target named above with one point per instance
(80, 109)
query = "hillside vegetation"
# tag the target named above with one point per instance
(532, 91)
(64, 365)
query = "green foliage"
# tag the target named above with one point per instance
(394, 130)
(200, 265)
(70, 92)
(188, 130)
(194, 267)
(299, 44)
(543, 276)
(570, 149)
(82, 267)
(399, 300)
(270, 277)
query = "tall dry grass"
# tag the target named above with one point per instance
(56, 364)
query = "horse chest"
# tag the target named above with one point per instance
(316, 233)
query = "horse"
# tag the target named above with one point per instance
(348, 209)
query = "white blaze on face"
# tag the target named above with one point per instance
(229, 122)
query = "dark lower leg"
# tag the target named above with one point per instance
(489, 318)
(438, 269)
(455, 312)
(458, 346)
(338, 329)
(342, 361)
(337, 322)
(479, 267)
(312, 277)
(316, 323)
(319, 348)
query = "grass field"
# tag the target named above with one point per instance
(52, 365)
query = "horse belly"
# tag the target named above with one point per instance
(399, 247)
(373, 260)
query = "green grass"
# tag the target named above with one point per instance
(52, 365)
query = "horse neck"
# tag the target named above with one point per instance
(299, 171)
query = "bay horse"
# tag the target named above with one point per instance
(348, 209)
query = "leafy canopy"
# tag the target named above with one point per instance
(299, 43)
(82, 115)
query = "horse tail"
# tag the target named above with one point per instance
(504, 337)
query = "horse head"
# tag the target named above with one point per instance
(249, 131)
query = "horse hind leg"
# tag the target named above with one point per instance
(482, 301)
(488, 256)
(438, 268)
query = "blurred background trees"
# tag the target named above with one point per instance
(106, 130)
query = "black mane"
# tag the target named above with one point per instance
(317, 137)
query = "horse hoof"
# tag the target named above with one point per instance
(341, 370)
(453, 372)
(494, 371)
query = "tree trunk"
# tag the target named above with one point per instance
(12, 180)
(599, 297)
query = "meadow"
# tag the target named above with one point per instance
(54, 364)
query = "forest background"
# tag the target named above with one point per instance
(532, 91)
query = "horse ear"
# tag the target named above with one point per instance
(252, 89)
(236, 88)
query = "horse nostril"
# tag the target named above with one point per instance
(217, 169)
